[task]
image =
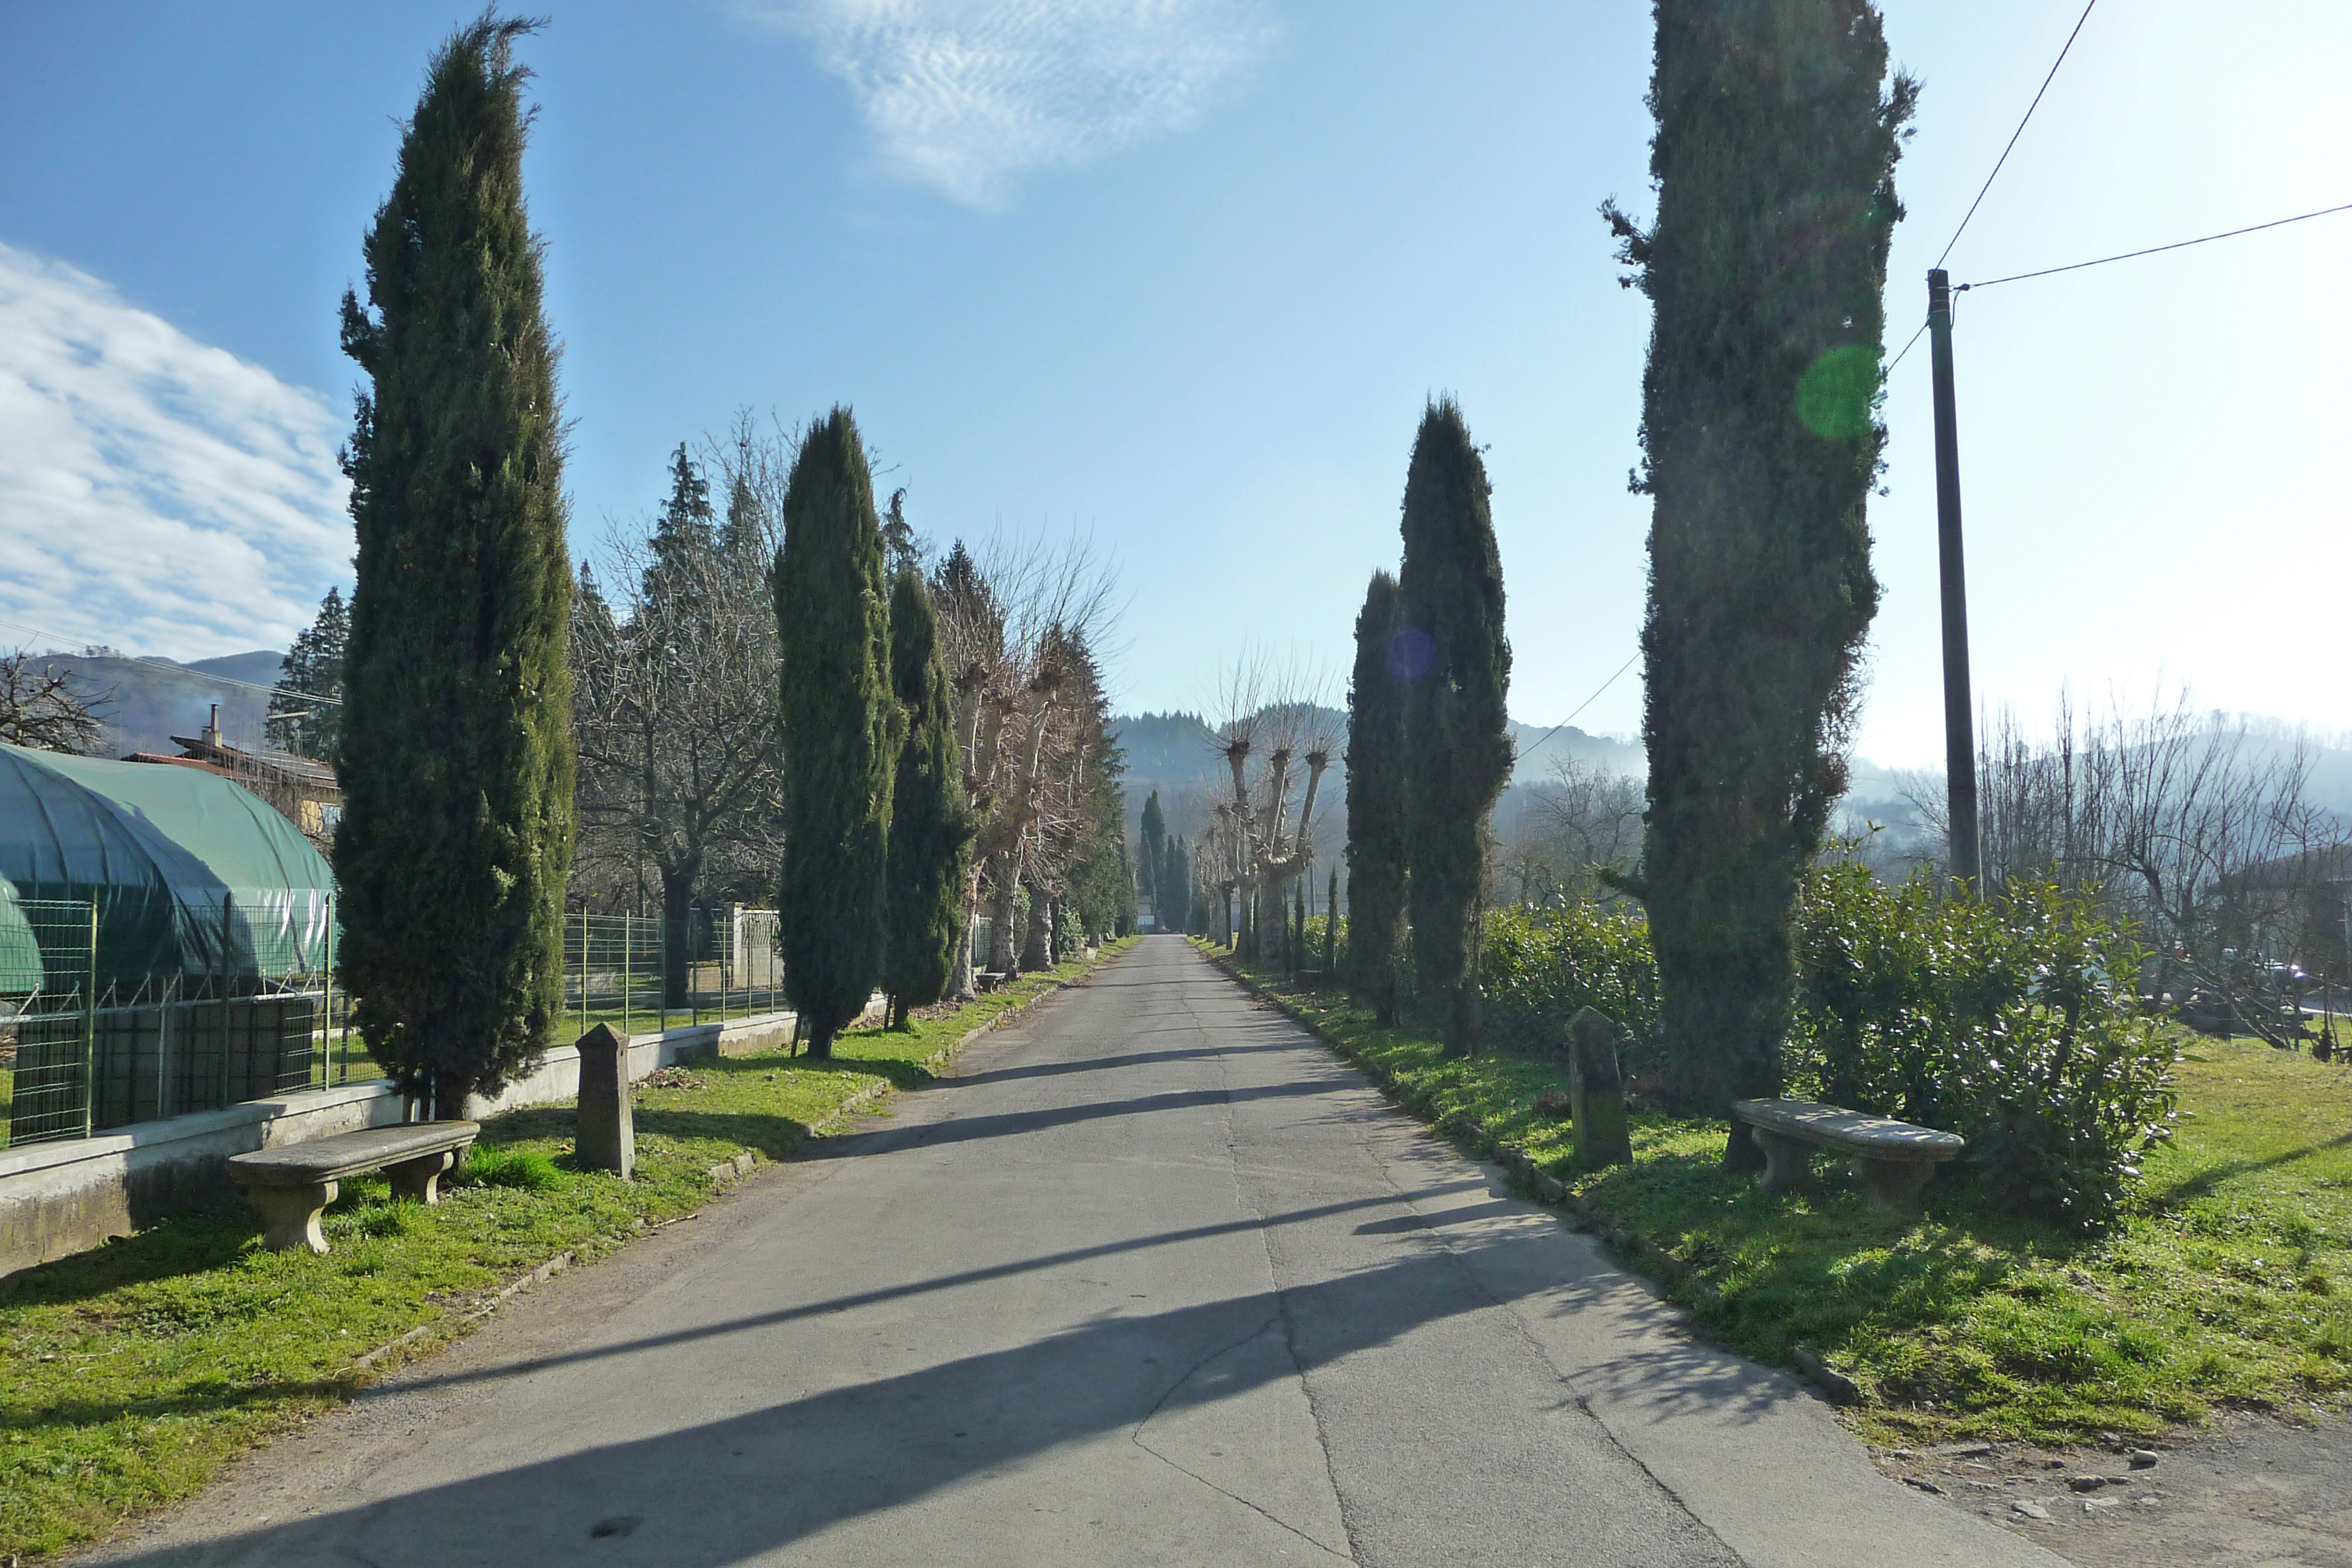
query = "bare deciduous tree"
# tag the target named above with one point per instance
(39, 708)
(2203, 837)
(674, 697)
(1019, 626)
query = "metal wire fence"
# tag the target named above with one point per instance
(646, 973)
(77, 1057)
(47, 969)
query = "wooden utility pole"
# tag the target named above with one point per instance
(1960, 725)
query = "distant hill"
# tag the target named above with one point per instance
(143, 702)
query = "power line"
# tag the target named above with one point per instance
(2018, 132)
(1580, 707)
(1907, 349)
(184, 669)
(2156, 250)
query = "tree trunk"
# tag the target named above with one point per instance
(677, 905)
(1037, 945)
(1001, 956)
(819, 1047)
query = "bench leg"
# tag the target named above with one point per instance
(1894, 1185)
(419, 1179)
(291, 1214)
(1788, 1161)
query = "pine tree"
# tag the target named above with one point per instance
(685, 531)
(1155, 845)
(1376, 797)
(305, 708)
(1457, 733)
(456, 752)
(1777, 133)
(840, 732)
(932, 827)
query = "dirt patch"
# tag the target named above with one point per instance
(2247, 1492)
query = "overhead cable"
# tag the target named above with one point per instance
(2016, 133)
(2156, 250)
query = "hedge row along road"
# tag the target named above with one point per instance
(1152, 1279)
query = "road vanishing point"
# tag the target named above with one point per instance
(1151, 1278)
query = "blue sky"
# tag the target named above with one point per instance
(1181, 273)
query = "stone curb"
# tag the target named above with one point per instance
(1638, 1250)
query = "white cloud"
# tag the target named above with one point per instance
(965, 94)
(155, 493)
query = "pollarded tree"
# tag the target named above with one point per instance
(932, 827)
(1376, 797)
(456, 751)
(840, 730)
(1458, 750)
(1777, 133)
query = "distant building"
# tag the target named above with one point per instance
(306, 793)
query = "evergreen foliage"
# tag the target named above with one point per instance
(1458, 749)
(305, 708)
(456, 751)
(1376, 803)
(1175, 882)
(1777, 137)
(1155, 845)
(1331, 930)
(840, 730)
(932, 827)
(684, 533)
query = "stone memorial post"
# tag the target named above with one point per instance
(1596, 1090)
(607, 1137)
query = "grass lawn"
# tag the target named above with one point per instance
(129, 1375)
(2229, 1283)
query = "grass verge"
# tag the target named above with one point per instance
(2227, 1285)
(130, 1374)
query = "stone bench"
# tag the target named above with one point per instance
(1892, 1159)
(290, 1187)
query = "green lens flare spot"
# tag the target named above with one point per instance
(1833, 396)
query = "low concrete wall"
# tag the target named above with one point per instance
(57, 1199)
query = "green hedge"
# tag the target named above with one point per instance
(2011, 1022)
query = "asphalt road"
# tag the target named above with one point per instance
(1153, 1280)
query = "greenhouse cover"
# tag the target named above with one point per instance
(192, 873)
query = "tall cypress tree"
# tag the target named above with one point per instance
(1777, 133)
(931, 828)
(1457, 733)
(840, 730)
(1376, 797)
(1155, 845)
(1174, 880)
(456, 751)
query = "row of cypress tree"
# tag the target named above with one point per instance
(456, 748)
(846, 886)
(1428, 745)
(1777, 132)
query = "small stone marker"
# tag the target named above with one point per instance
(607, 1133)
(1596, 1090)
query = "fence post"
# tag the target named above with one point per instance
(327, 1012)
(90, 1029)
(626, 973)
